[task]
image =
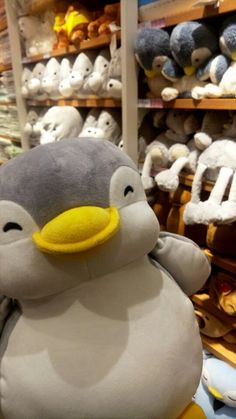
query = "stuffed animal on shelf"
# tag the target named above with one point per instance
(90, 123)
(222, 290)
(65, 87)
(107, 126)
(97, 81)
(51, 79)
(169, 146)
(105, 23)
(152, 50)
(37, 34)
(192, 45)
(114, 84)
(25, 78)
(33, 126)
(60, 122)
(34, 86)
(76, 245)
(82, 68)
(71, 27)
(211, 326)
(222, 70)
(216, 393)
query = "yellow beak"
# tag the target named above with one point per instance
(150, 73)
(233, 56)
(189, 71)
(215, 393)
(78, 230)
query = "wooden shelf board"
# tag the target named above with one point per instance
(92, 102)
(204, 301)
(5, 67)
(216, 104)
(10, 103)
(193, 14)
(221, 261)
(3, 24)
(98, 42)
(221, 349)
(9, 137)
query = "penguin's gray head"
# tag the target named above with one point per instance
(70, 211)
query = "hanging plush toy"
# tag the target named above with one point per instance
(216, 393)
(192, 45)
(218, 164)
(103, 325)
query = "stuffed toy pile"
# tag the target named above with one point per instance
(88, 336)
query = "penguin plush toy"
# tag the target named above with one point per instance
(103, 326)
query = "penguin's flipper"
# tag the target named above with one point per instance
(183, 259)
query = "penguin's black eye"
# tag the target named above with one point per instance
(12, 226)
(128, 189)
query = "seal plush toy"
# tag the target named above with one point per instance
(102, 327)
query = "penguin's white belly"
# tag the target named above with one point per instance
(121, 346)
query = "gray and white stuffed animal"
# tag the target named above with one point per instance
(107, 126)
(114, 84)
(223, 67)
(217, 163)
(192, 45)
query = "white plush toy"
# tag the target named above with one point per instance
(60, 122)
(51, 79)
(98, 79)
(170, 145)
(217, 162)
(37, 33)
(26, 76)
(33, 126)
(108, 126)
(90, 123)
(168, 180)
(81, 70)
(35, 83)
(114, 84)
(65, 88)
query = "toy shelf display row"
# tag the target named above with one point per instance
(51, 125)
(194, 60)
(66, 25)
(89, 73)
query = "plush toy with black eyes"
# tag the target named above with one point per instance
(192, 45)
(104, 320)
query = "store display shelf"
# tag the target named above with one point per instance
(221, 261)
(221, 349)
(204, 301)
(91, 102)
(5, 67)
(99, 42)
(3, 24)
(216, 104)
(198, 12)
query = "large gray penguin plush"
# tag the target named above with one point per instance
(103, 326)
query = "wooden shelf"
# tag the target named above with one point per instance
(5, 67)
(99, 42)
(193, 14)
(204, 301)
(90, 102)
(221, 261)
(221, 349)
(216, 104)
(9, 137)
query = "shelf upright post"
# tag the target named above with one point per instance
(129, 25)
(15, 46)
